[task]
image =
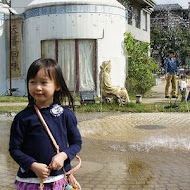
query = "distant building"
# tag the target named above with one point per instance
(170, 16)
(78, 34)
(138, 17)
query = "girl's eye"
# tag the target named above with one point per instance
(44, 82)
(32, 82)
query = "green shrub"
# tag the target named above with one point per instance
(140, 66)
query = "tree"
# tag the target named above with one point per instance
(6, 2)
(141, 67)
(177, 39)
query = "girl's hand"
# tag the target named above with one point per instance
(58, 161)
(41, 170)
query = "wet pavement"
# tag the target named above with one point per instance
(123, 151)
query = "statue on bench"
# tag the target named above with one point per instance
(108, 92)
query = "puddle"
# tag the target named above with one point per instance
(150, 127)
(139, 170)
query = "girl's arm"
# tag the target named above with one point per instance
(17, 135)
(41, 170)
(73, 136)
(57, 161)
(165, 66)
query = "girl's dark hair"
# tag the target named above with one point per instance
(54, 72)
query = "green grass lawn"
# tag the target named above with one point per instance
(13, 99)
(134, 108)
(131, 107)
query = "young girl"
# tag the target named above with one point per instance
(30, 145)
(183, 87)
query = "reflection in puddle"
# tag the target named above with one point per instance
(139, 172)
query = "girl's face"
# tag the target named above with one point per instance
(42, 89)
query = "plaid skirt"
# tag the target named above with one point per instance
(57, 185)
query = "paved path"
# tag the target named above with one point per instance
(158, 94)
(127, 151)
(136, 151)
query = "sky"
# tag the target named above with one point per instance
(183, 3)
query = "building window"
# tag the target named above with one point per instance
(77, 59)
(144, 21)
(130, 15)
(137, 16)
(67, 60)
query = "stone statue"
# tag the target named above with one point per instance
(108, 92)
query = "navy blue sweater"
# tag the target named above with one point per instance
(29, 142)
